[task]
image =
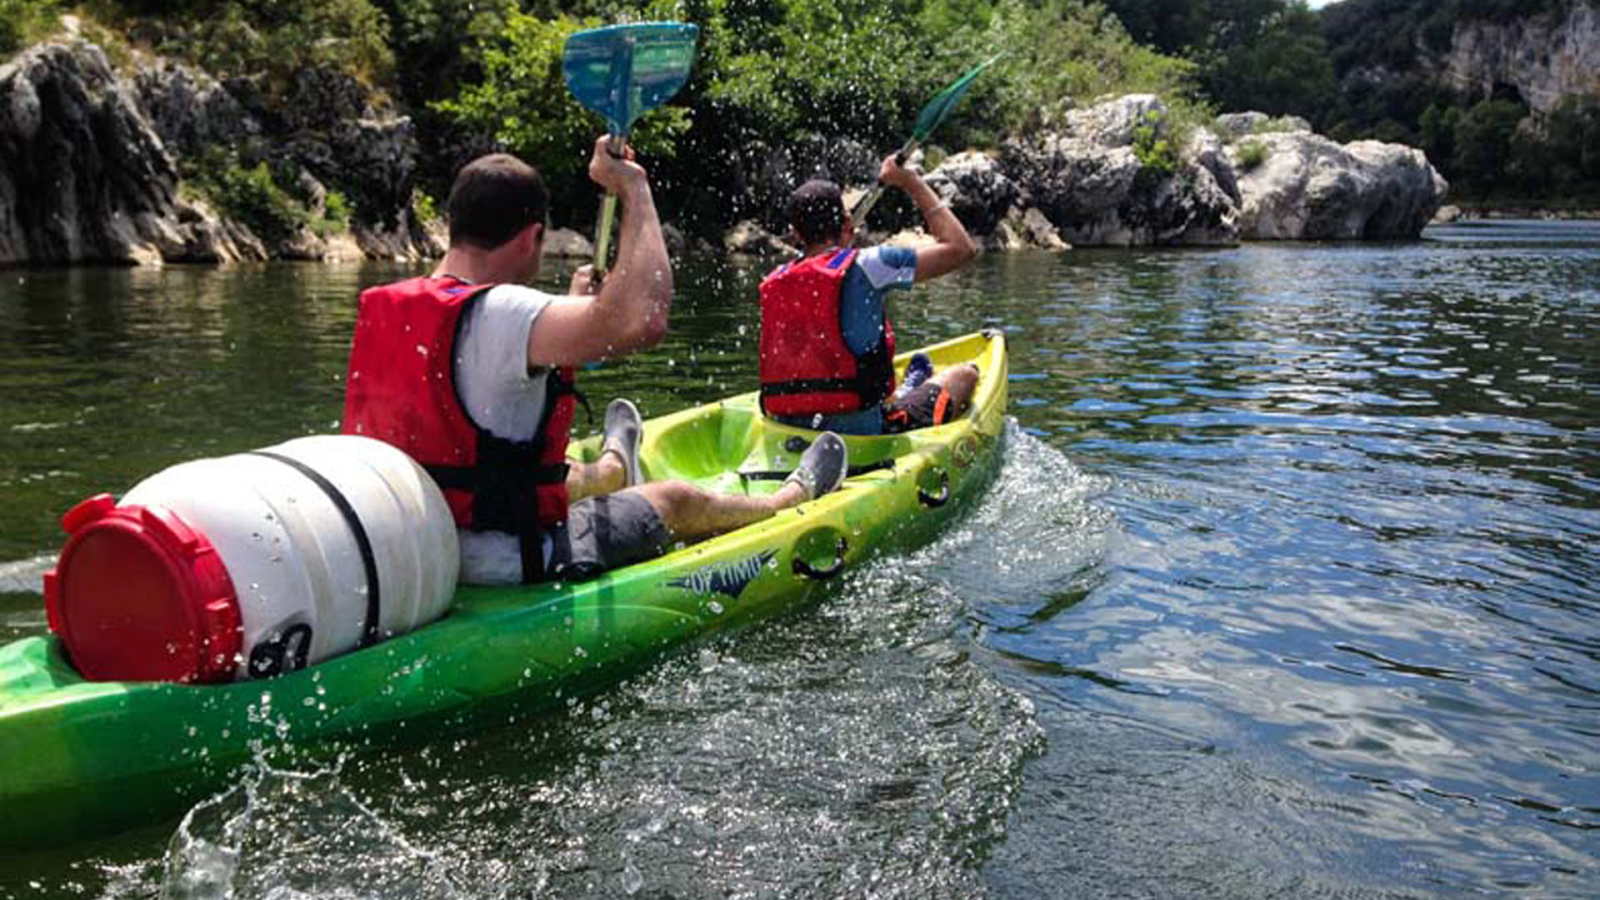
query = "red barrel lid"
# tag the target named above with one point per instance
(138, 595)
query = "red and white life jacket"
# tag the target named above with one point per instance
(806, 366)
(401, 389)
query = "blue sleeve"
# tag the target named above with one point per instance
(861, 307)
(889, 268)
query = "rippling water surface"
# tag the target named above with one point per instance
(1288, 588)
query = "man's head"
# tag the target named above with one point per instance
(816, 213)
(493, 203)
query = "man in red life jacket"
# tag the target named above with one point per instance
(471, 372)
(827, 348)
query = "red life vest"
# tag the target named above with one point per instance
(402, 389)
(806, 366)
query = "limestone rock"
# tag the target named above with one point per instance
(83, 176)
(911, 237)
(190, 109)
(1311, 188)
(676, 243)
(779, 170)
(1242, 124)
(568, 244)
(749, 238)
(89, 162)
(1039, 232)
(1206, 150)
(977, 190)
(1546, 57)
(1111, 123)
(1099, 194)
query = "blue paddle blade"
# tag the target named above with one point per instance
(624, 71)
(939, 107)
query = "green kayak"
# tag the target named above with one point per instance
(80, 758)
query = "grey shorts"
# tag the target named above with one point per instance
(606, 532)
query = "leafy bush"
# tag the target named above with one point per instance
(24, 21)
(1066, 52)
(270, 40)
(1251, 154)
(523, 103)
(1153, 145)
(424, 209)
(1273, 125)
(1483, 142)
(335, 215)
(252, 196)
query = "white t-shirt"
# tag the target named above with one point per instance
(503, 398)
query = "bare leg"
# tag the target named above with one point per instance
(692, 514)
(603, 476)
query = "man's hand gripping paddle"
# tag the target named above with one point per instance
(927, 120)
(623, 72)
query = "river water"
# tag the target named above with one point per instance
(1289, 587)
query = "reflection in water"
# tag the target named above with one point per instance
(1287, 588)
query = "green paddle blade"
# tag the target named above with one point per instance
(940, 106)
(624, 71)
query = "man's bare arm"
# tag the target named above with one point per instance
(631, 310)
(954, 247)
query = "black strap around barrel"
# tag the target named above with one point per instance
(369, 562)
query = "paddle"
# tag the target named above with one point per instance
(623, 72)
(927, 120)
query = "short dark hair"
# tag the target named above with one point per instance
(816, 211)
(493, 199)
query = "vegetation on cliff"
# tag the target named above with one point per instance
(774, 73)
(1372, 69)
(769, 73)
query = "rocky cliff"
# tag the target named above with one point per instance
(1545, 57)
(91, 163)
(83, 176)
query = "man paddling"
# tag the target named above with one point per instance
(471, 372)
(827, 348)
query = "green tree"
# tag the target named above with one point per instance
(524, 105)
(1483, 142)
(1278, 65)
(22, 21)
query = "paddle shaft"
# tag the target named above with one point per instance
(608, 216)
(859, 215)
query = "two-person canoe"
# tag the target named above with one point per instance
(80, 758)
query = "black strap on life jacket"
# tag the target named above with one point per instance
(505, 480)
(870, 383)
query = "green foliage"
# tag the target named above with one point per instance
(424, 209)
(1274, 125)
(1251, 154)
(832, 68)
(1153, 145)
(524, 105)
(336, 212)
(25, 21)
(1064, 52)
(433, 40)
(1483, 141)
(269, 40)
(253, 196)
(1279, 66)
(1572, 136)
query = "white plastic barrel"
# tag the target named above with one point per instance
(330, 542)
